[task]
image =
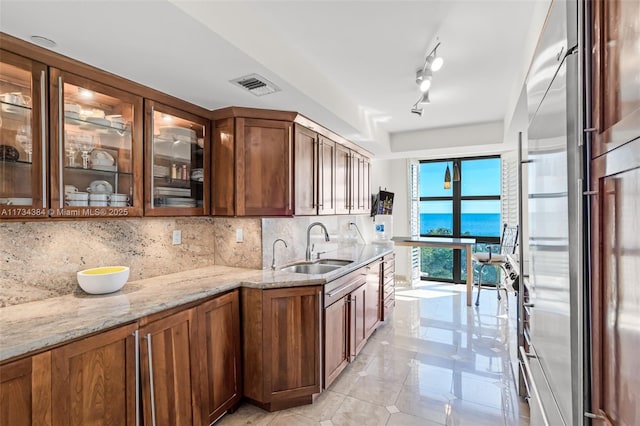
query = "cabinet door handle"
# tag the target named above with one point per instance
(61, 142)
(136, 335)
(314, 167)
(151, 390)
(43, 137)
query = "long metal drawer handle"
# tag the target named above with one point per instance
(61, 142)
(525, 359)
(152, 393)
(136, 335)
(43, 137)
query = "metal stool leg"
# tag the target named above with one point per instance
(480, 283)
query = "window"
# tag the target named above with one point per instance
(470, 208)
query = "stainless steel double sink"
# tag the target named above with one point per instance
(320, 266)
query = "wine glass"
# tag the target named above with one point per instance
(71, 148)
(86, 143)
(23, 137)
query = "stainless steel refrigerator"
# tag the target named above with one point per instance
(553, 358)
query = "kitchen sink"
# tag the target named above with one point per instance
(311, 268)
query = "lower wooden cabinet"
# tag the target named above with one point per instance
(388, 287)
(25, 391)
(281, 350)
(93, 380)
(170, 370)
(351, 315)
(336, 342)
(220, 355)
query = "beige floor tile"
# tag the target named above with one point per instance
(377, 390)
(426, 405)
(323, 408)
(354, 412)
(463, 413)
(247, 414)
(402, 419)
(292, 419)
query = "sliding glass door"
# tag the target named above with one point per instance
(459, 198)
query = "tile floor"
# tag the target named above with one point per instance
(436, 362)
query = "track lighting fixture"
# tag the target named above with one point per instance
(423, 79)
(417, 110)
(424, 76)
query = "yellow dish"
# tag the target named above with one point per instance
(103, 280)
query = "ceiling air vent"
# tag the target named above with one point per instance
(256, 84)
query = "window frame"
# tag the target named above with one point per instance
(456, 199)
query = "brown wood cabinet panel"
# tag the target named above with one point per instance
(293, 340)
(93, 379)
(336, 356)
(263, 167)
(220, 355)
(372, 298)
(615, 85)
(25, 391)
(306, 171)
(326, 176)
(223, 185)
(281, 345)
(343, 180)
(170, 371)
(615, 175)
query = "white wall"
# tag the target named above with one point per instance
(393, 175)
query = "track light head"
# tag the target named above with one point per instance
(417, 111)
(424, 99)
(423, 79)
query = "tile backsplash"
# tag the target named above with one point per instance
(40, 259)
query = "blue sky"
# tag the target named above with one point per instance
(478, 177)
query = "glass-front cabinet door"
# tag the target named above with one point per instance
(176, 162)
(23, 141)
(97, 150)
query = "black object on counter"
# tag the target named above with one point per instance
(9, 153)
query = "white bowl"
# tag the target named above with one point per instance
(106, 279)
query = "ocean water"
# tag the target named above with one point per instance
(477, 224)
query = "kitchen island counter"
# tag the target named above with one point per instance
(39, 325)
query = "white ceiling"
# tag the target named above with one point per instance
(350, 65)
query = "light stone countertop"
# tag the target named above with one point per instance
(34, 326)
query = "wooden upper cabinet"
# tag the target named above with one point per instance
(360, 184)
(326, 176)
(343, 179)
(220, 355)
(315, 170)
(615, 83)
(263, 167)
(223, 185)
(94, 380)
(96, 148)
(23, 131)
(170, 370)
(177, 162)
(306, 171)
(25, 391)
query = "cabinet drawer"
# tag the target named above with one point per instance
(388, 290)
(342, 286)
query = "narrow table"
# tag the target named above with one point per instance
(444, 242)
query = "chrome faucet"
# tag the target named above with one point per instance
(326, 238)
(273, 263)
